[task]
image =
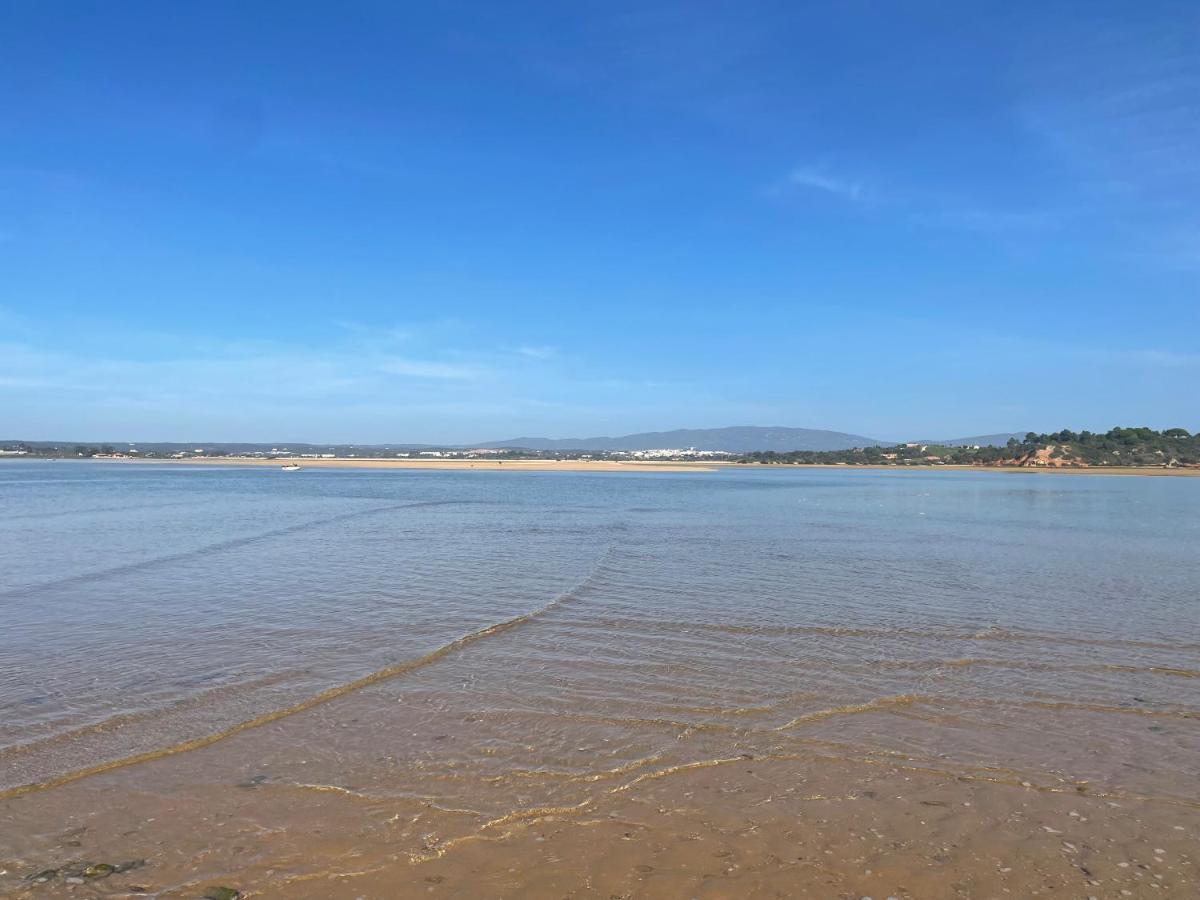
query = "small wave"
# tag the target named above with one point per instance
(985, 634)
(851, 709)
(315, 700)
(1021, 665)
(901, 701)
(87, 511)
(121, 720)
(217, 547)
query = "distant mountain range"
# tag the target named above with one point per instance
(741, 439)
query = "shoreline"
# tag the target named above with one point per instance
(596, 465)
(508, 465)
(1041, 470)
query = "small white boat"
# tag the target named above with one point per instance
(290, 467)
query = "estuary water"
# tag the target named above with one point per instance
(990, 618)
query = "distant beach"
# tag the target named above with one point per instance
(585, 465)
(505, 465)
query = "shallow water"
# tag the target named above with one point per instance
(146, 606)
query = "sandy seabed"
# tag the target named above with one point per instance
(246, 814)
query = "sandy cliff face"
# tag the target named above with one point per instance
(1043, 458)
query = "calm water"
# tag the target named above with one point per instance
(1043, 625)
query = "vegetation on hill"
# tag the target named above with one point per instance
(1116, 447)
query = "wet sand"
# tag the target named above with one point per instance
(802, 822)
(465, 777)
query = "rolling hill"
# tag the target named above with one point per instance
(739, 439)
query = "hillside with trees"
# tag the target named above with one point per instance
(1175, 447)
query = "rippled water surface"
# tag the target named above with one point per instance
(1038, 625)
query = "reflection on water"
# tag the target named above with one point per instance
(452, 634)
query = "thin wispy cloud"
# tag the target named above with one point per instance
(818, 179)
(340, 390)
(1148, 358)
(1132, 360)
(8, 381)
(1120, 102)
(423, 368)
(534, 352)
(985, 221)
(928, 206)
(376, 334)
(1117, 105)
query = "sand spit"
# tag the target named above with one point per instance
(601, 465)
(507, 465)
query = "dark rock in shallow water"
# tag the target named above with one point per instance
(75, 873)
(222, 893)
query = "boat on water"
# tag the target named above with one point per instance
(290, 467)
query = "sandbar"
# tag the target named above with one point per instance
(507, 465)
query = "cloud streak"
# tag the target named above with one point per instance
(537, 352)
(419, 368)
(356, 387)
(814, 178)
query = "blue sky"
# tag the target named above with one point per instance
(460, 221)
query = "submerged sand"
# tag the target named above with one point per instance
(751, 824)
(496, 768)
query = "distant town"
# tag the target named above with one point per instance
(134, 451)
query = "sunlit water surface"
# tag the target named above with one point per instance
(1039, 625)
